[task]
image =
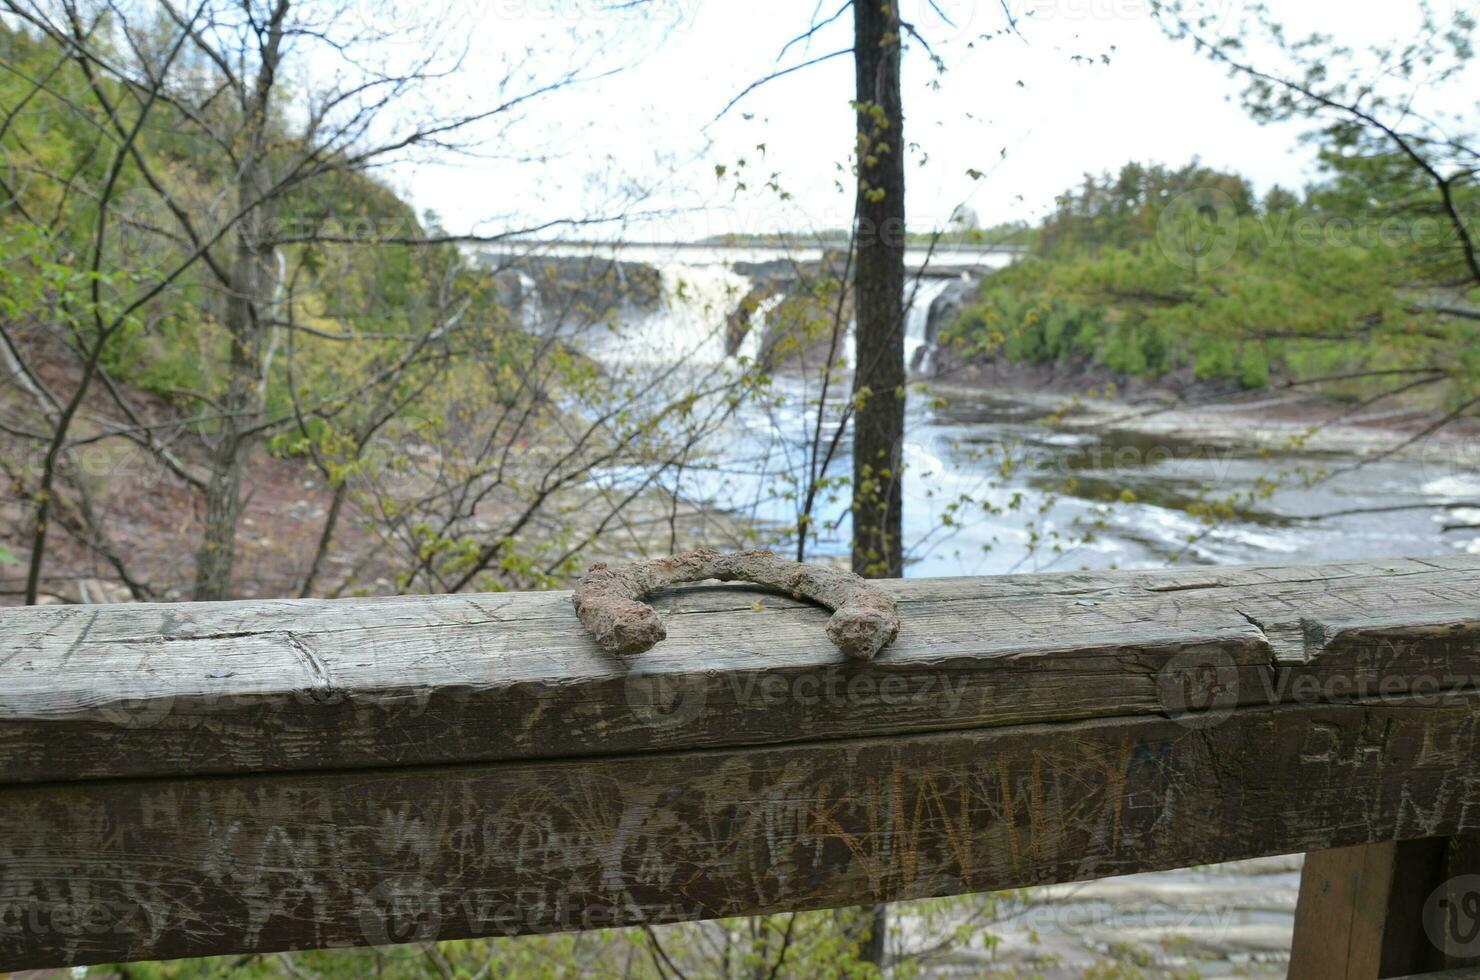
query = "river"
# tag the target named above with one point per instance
(1016, 482)
(1026, 496)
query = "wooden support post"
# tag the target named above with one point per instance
(1391, 909)
(1339, 915)
(1453, 913)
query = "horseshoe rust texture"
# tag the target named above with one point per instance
(609, 602)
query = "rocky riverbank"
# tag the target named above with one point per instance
(1282, 416)
(1279, 420)
(1225, 920)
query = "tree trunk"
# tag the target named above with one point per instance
(878, 289)
(241, 409)
(878, 293)
(249, 297)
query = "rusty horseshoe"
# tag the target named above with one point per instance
(609, 603)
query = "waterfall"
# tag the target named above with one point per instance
(750, 345)
(918, 345)
(688, 326)
(698, 301)
(531, 310)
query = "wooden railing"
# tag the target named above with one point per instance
(190, 780)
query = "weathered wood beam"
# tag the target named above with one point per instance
(202, 866)
(194, 780)
(92, 692)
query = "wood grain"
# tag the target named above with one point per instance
(1341, 912)
(201, 779)
(89, 692)
(107, 870)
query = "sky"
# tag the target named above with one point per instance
(1016, 107)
